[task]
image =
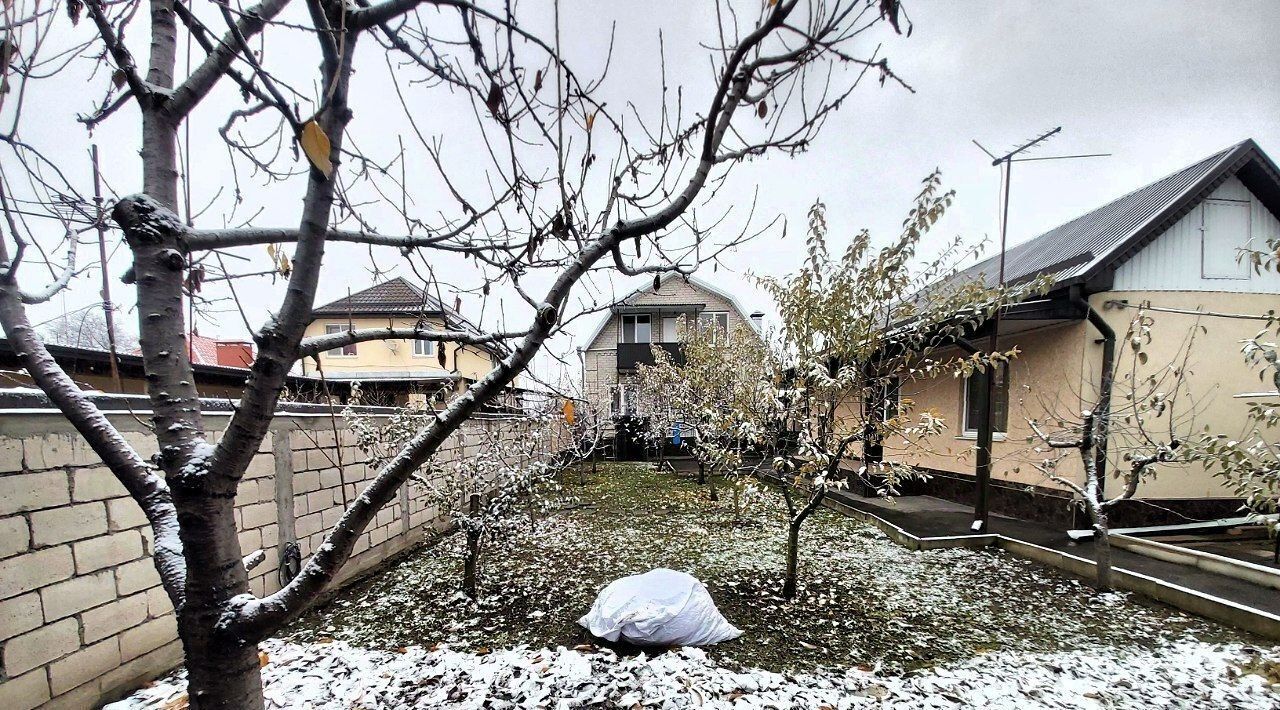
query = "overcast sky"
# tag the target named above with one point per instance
(1156, 84)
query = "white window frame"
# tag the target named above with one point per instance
(717, 322)
(997, 434)
(635, 320)
(334, 329)
(424, 348)
(621, 397)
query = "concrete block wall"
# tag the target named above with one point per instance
(83, 618)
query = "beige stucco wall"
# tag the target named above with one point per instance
(1058, 370)
(388, 355)
(1043, 378)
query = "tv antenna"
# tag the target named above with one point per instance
(987, 426)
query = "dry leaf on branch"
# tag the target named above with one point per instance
(316, 145)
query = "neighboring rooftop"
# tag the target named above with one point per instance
(1104, 238)
(396, 296)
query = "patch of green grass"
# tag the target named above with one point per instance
(863, 600)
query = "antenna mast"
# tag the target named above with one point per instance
(986, 428)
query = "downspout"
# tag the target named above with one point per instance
(1103, 413)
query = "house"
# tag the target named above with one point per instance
(220, 368)
(1172, 244)
(648, 316)
(396, 371)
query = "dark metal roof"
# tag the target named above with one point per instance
(394, 296)
(1101, 240)
(399, 297)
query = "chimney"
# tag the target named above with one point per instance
(235, 353)
(757, 321)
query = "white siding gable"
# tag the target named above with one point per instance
(1198, 252)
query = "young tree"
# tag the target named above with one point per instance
(1143, 422)
(721, 397)
(567, 184)
(585, 436)
(852, 327)
(507, 468)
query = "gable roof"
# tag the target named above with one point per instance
(647, 287)
(398, 296)
(1099, 241)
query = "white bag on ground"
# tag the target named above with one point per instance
(661, 607)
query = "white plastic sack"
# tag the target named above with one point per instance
(661, 607)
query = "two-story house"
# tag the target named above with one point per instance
(396, 371)
(646, 317)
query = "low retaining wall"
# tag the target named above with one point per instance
(1224, 610)
(1217, 564)
(83, 618)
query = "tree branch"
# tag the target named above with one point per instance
(203, 78)
(144, 486)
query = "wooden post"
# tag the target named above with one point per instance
(107, 310)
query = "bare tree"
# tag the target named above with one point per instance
(85, 328)
(1141, 420)
(556, 185)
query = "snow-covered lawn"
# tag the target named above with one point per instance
(874, 624)
(864, 601)
(1183, 674)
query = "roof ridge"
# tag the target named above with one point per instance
(1214, 158)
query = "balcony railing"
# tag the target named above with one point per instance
(632, 354)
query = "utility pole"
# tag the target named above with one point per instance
(108, 311)
(987, 396)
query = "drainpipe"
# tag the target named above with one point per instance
(1103, 413)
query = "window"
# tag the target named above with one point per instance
(624, 400)
(716, 323)
(424, 348)
(1225, 230)
(345, 350)
(973, 394)
(670, 329)
(890, 400)
(636, 328)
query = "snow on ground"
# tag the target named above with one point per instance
(874, 625)
(863, 600)
(339, 676)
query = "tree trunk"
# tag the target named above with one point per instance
(702, 474)
(472, 560)
(220, 675)
(793, 559)
(1102, 551)
(711, 479)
